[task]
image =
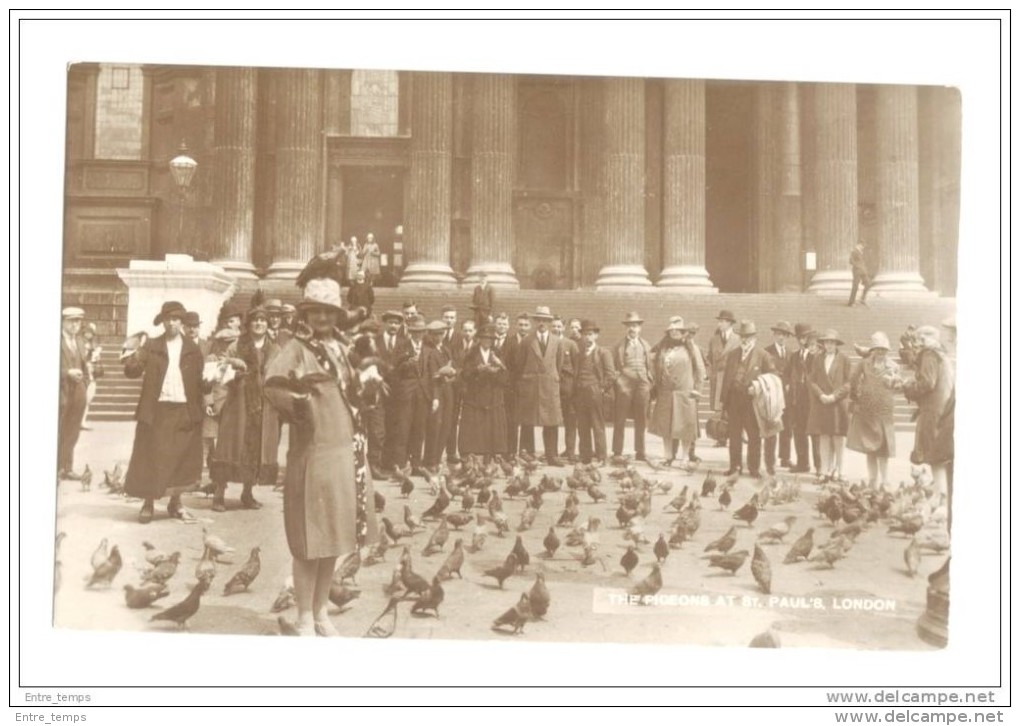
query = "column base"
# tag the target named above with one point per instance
(428, 274)
(628, 278)
(898, 284)
(285, 270)
(831, 282)
(687, 278)
(501, 274)
(239, 269)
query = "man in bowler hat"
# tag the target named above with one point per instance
(743, 365)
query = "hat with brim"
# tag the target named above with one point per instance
(288, 309)
(747, 329)
(487, 331)
(782, 327)
(590, 325)
(676, 323)
(416, 325)
(172, 309)
(542, 312)
(802, 330)
(393, 315)
(928, 330)
(437, 326)
(692, 327)
(192, 319)
(255, 313)
(320, 292)
(72, 313)
(879, 341)
(273, 306)
(830, 334)
(632, 318)
(726, 315)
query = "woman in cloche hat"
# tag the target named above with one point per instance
(328, 494)
(828, 415)
(678, 375)
(872, 425)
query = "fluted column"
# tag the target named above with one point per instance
(234, 169)
(297, 222)
(766, 172)
(428, 229)
(624, 186)
(683, 214)
(833, 188)
(788, 260)
(492, 138)
(897, 187)
(336, 120)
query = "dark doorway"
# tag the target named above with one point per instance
(729, 180)
(373, 201)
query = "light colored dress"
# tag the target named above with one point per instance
(675, 413)
(872, 422)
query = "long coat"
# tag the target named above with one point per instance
(829, 419)
(370, 260)
(483, 416)
(718, 349)
(678, 374)
(934, 391)
(248, 435)
(328, 501)
(872, 421)
(538, 389)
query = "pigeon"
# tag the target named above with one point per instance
(86, 479)
(761, 570)
(661, 549)
(406, 485)
(908, 525)
(504, 571)
(386, 624)
(568, 516)
(439, 506)
(390, 531)
(186, 608)
(527, 518)
(342, 596)
(162, 572)
(833, 550)
(206, 567)
(730, 562)
(216, 544)
(649, 586)
(107, 570)
(378, 551)
(596, 494)
(767, 639)
(380, 502)
(138, 598)
(412, 581)
(412, 522)
(551, 543)
(539, 597)
(629, 560)
(454, 562)
(521, 553)
(285, 599)
(101, 554)
(708, 486)
(495, 503)
(467, 501)
(244, 577)
(431, 599)
(801, 548)
(459, 519)
(516, 616)
(348, 568)
(749, 512)
(152, 555)
(912, 557)
(725, 498)
(776, 532)
(437, 540)
(725, 543)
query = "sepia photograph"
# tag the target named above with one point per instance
(662, 359)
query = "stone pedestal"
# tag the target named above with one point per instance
(624, 171)
(683, 216)
(201, 287)
(427, 244)
(933, 625)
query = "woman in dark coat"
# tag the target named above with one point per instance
(483, 415)
(328, 495)
(167, 453)
(247, 438)
(828, 416)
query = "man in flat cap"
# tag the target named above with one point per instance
(74, 381)
(412, 389)
(593, 378)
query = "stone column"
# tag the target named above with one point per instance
(427, 234)
(624, 170)
(789, 258)
(492, 138)
(683, 215)
(833, 185)
(763, 221)
(297, 225)
(897, 187)
(336, 112)
(234, 169)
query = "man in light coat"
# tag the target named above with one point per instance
(634, 363)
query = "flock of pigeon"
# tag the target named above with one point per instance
(510, 498)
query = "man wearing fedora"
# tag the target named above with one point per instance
(724, 341)
(539, 360)
(781, 357)
(277, 333)
(594, 376)
(519, 438)
(414, 395)
(166, 458)
(440, 421)
(798, 401)
(570, 353)
(743, 365)
(388, 342)
(74, 381)
(633, 360)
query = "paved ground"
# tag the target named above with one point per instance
(812, 605)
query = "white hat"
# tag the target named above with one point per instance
(72, 313)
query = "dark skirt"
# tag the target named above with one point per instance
(167, 454)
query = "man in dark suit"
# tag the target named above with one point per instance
(412, 389)
(593, 378)
(743, 365)
(861, 274)
(483, 299)
(570, 353)
(723, 341)
(633, 361)
(539, 360)
(440, 419)
(458, 353)
(517, 436)
(798, 400)
(74, 380)
(781, 356)
(388, 342)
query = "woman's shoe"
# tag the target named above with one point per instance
(145, 516)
